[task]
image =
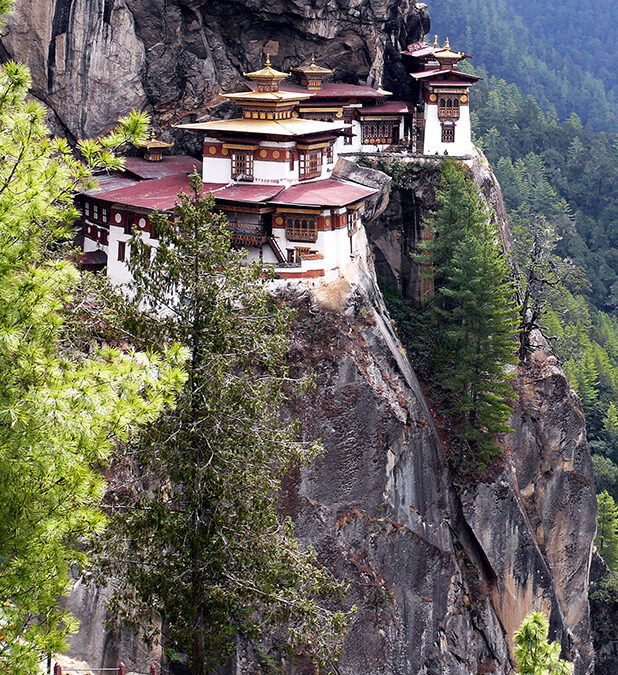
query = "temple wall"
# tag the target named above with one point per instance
(433, 134)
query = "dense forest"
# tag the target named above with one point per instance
(545, 116)
(554, 50)
(565, 177)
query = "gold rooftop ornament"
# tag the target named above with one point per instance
(267, 78)
(312, 75)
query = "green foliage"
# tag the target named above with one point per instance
(474, 313)
(533, 653)
(562, 173)
(542, 48)
(559, 186)
(607, 530)
(605, 475)
(198, 540)
(60, 411)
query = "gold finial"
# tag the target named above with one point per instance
(267, 60)
(447, 45)
(435, 41)
(313, 59)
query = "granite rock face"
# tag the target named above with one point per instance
(93, 60)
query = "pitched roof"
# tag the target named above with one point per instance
(329, 192)
(159, 194)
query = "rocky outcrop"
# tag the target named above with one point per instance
(93, 60)
(442, 574)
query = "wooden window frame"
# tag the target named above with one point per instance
(310, 164)
(242, 165)
(301, 227)
(122, 250)
(448, 133)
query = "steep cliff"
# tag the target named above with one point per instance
(442, 574)
(92, 60)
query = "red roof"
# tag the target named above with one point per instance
(420, 49)
(112, 181)
(388, 108)
(168, 165)
(248, 192)
(93, 260)
(328, 192)
(433, 73)
(154, 194)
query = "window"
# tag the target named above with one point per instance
(95, 212)
(448, 107)
(347, 139)
(379, 132)
(329, 154)
(301, 228)
(352, 221)
(121, 250)
(242, 165)
(87, 209)
(310, 164)
(448, 134)
(104, 214)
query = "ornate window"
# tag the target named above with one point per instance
(383, 133)
(301, 227)
(448, 134)
(242, 165)
(87, 209)
(448, 106)
(329, 154)
(310, 164)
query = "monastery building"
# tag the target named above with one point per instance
(271, 168)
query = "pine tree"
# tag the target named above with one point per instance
(607, 529)
(59, 410)
(474, 313)
(202, 546)
(534, 655)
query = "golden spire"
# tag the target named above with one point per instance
(447, 45)
(267, 64)
(435, 41)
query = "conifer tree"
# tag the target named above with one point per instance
(202, 546)
(474, 313)
(607, 529)
(59, 410)
(533, 653)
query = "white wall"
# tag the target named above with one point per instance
(433, 133)
(216, 169)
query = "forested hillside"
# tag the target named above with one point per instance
(559, 182)
(557, 50)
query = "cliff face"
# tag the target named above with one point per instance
(92, 60)
(442, 574)
(530, 530)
